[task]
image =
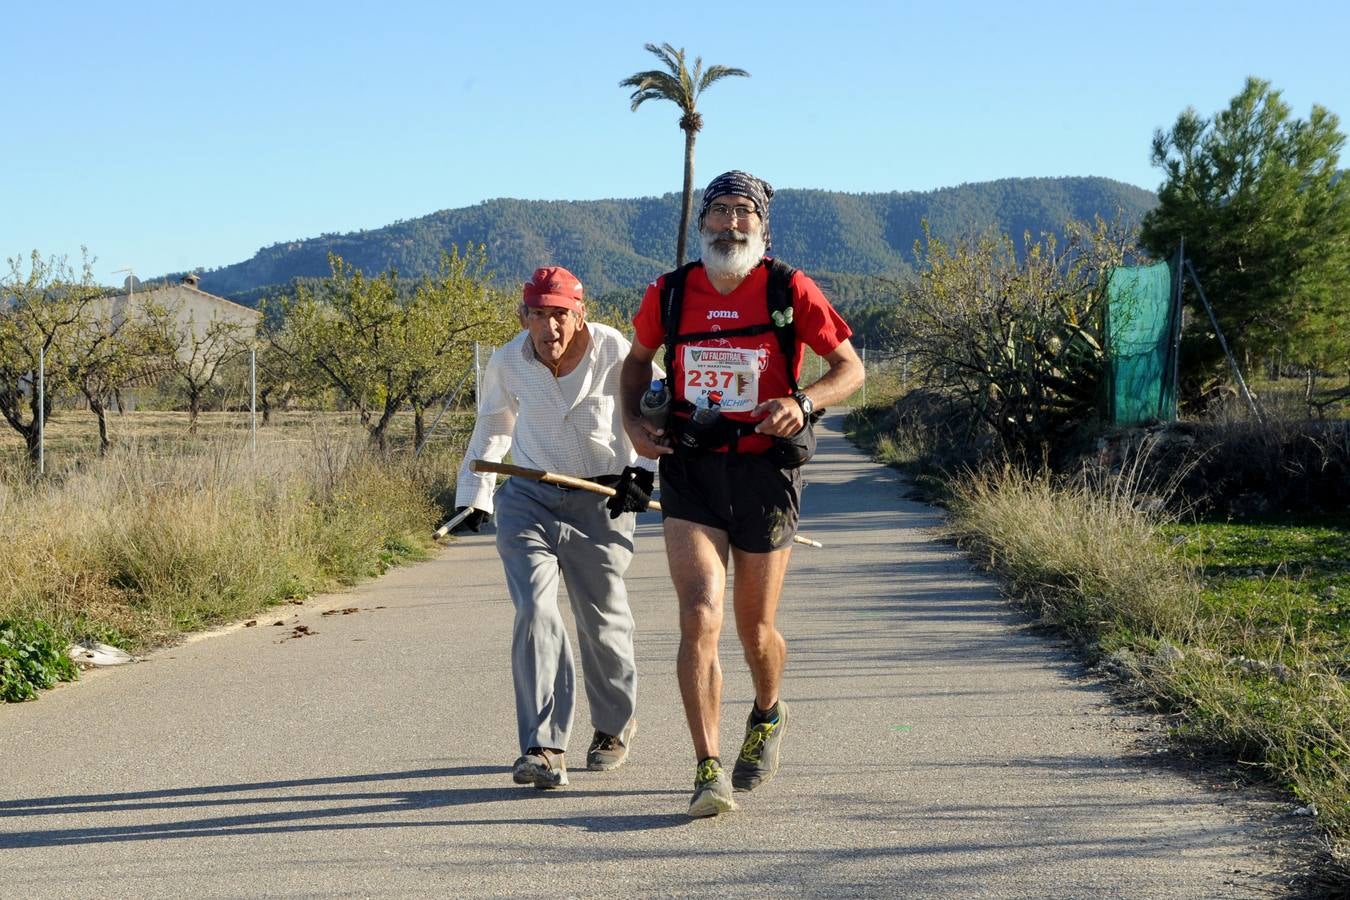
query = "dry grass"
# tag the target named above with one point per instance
(1096, 561)
(1088, 556)
(1238, 631)
(169, 534)
(1291, 721)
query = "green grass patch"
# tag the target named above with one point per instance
(1270, 680)
(1289, 396)
(1277, 589)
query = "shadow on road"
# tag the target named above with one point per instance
(304, 809)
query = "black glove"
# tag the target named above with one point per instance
(634, 491)
(472, 522)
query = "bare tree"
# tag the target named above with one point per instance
(197, 350)
(112, 352)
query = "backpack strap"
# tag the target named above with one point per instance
(672, 305)
(779, 293)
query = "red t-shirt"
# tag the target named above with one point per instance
(749, 369)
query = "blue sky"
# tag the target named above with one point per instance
(164, 137)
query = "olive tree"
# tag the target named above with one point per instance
(42, 313)
(384, 345)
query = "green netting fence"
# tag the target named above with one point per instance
(1141, 344)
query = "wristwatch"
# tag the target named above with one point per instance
(804, 402)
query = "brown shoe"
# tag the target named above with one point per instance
(609, 751)
(542, 767)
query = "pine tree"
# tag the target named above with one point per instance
(1266, 220)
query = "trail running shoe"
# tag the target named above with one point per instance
(609, 751)
(542, 767)
(759, 752)
(712, 791)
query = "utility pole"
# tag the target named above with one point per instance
(130, 282)
(477, 381)
(864, 364)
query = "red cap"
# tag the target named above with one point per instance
(554, 286)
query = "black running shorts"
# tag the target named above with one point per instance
(744, 494)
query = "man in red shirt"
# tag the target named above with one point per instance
(724, 489)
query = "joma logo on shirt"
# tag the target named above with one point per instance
(723, 314)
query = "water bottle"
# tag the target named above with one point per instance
(707, 409)
(655, 405)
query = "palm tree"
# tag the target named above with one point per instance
(682, 89)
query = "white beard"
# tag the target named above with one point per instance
(727, 260)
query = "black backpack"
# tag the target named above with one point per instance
(790, 452)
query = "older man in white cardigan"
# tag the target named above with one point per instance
(550, 397)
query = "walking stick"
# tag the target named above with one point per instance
(445, 529)
(571, 481)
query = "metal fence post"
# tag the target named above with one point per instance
(448, 401)
(42, 410)
(1218, 332)
(477, 381)
(864, 384)
(253, 399)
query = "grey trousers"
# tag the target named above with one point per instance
(543, 530)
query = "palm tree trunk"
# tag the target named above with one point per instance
(687, 209)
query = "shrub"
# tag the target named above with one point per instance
(32, 656)
(1012, 342)
(1241, 467)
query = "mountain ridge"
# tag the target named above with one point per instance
(623, 243)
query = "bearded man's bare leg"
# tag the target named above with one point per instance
(758, 582)
(698, 569)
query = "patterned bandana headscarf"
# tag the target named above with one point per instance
(742, 184)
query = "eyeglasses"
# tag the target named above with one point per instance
(543, 313)
(722, 211)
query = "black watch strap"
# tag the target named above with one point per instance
(803, 401)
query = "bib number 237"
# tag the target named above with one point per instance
(735, 373)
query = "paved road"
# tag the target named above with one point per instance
(939, 749)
